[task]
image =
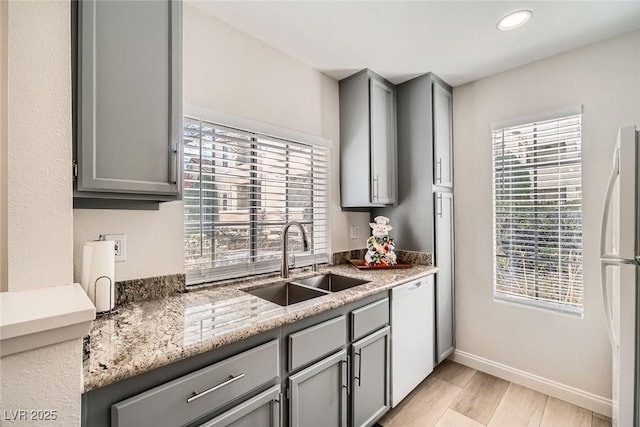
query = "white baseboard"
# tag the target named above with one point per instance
(578, 397)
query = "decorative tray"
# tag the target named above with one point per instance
(360, 264)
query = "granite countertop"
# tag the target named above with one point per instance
(150, 334)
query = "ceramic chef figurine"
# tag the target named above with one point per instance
(380, 246)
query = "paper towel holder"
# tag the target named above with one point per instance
(95, 295)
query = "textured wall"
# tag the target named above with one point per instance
(4, 60)
(604, 78)
(48, 378)
(229, 71)
(38, 192)
(40, 225)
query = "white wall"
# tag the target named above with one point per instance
(229, 71)
(154, 239)
(36, 121)
(605, 78)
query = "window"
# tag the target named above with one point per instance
(240, 189)
(537, 200)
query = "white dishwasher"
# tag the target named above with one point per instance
(412, 342)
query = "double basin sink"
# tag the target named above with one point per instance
(298, 290)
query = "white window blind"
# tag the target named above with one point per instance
(537, 199)
(240, 189)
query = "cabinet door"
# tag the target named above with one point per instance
(262, 410)
(445, 315)
(370, 378)
(442, 136)
(383, 142)
(318, 394)
(129, 103)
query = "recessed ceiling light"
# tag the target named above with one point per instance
(514, 20)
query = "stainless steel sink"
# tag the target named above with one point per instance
(286, 293)
(331, 282)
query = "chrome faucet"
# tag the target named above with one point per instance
(284, 270)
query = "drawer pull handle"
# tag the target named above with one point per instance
(231, 380)
(359, 377)
(376, 188)
(279, 401)
(173, 175)
(345, 381)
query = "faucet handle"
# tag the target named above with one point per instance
(292, 264)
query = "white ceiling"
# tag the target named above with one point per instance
(400, 40)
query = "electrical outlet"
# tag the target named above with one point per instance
(355, 232)
(120, 245)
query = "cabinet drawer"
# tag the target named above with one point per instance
(218, 384)
(369, 318)
(312, 343)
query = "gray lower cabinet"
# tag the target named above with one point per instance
(331, 369)
(311, 344)
(318, 394)
(264, 410)
(192, 396)
(369, 318)
(370, 374)
(127, 101)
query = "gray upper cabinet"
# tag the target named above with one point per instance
(442, 136)
(370, 378)
(367, 141)
(128, 100)
(425, 183)
(383, 142)
(424, 152)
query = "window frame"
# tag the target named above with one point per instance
(523, 300)
(268, 131)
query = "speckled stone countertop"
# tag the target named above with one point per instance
(150, 334)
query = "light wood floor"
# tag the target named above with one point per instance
(457, 396)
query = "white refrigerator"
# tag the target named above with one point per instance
(619, 264)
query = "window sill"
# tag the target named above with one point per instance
(576, 312)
